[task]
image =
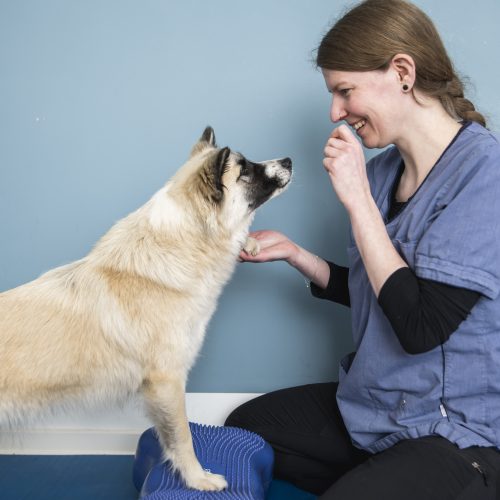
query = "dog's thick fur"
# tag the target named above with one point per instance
(131, 316)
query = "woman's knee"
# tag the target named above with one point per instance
(242, 416)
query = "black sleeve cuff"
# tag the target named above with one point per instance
(337, 289)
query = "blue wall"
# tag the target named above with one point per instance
(101, 100)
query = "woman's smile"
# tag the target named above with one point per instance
(357, 125)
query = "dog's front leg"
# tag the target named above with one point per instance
(165, 400)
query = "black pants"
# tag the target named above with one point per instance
(314, 452)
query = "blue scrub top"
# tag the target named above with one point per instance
(448, 232)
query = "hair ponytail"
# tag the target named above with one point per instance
(456, 104)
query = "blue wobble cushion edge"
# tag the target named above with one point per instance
(243, 457)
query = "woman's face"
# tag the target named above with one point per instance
(369, 101)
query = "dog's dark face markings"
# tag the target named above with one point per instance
(262, 180)
(225, 170)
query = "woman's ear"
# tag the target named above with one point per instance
(404, 67)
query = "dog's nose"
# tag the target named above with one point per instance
(287, 163)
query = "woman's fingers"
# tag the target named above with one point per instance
(344, 133)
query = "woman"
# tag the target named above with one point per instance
(416, 411)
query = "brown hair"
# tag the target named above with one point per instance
(368, 36)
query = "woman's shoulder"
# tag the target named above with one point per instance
(477, 151)
(472, 162)
(477, 130)
(477, 140)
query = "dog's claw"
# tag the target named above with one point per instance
(252, 246)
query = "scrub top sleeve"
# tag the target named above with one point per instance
(461, 245)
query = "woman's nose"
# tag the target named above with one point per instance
(337, 110)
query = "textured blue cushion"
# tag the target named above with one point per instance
(243, 457)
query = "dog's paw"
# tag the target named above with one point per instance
(252, 246)
(208, 482)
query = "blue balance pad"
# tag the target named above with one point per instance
(243, 457)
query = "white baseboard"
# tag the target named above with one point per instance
(110, 432)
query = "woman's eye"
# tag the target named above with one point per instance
(345, 92)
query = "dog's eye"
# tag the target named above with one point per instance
(244, 173)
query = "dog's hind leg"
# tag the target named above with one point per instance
(165, 400)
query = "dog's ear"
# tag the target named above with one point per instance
(209, 136)
(206, 140)
(215, 170)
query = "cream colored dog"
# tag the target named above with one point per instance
(131, 316)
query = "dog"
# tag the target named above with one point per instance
(130, 317)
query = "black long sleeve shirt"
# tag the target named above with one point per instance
(423, 313)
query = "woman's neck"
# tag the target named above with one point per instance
(431, 132)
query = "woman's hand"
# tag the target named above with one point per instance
(276, 246)
(273, 246)
(345, 163)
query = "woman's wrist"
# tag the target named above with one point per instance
(312, 267)
(295, 256)
(362, 207)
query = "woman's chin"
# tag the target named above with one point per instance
(372, 142)
(368, 142)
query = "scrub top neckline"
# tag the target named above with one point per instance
(400, 171)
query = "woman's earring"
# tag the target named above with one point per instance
(405, 87)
